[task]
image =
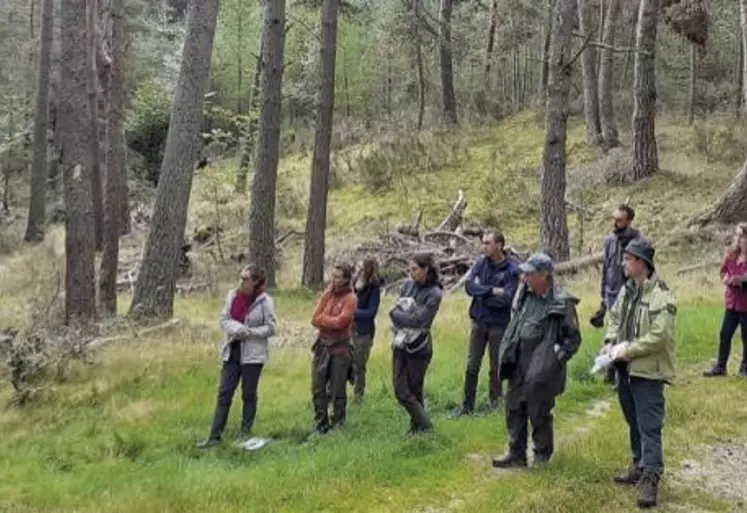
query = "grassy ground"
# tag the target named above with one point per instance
(118, 435)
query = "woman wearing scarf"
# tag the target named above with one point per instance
(247, 322)
(333, 317)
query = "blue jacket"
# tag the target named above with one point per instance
(369, 297)
(488, 309)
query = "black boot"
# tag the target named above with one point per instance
(717, 370)
(743, 370)
(649, 490)
(631, 477)
(510, 460)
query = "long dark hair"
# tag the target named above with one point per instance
(370, 271)
(427, 262)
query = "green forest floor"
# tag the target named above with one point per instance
(118, 435)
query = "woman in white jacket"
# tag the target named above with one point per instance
(247, 322)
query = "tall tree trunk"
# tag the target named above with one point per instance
(316, 221)
(115, 165)
(492, 23)
(589, 72)
(75, 117)
(262, 212)
(37, 201)
(554, 227)
(738, 67)
(645, 152)
(93, 98)
(239, 57)
(156, 284)
(607, 121)
(691, 106)
(448, 96)
(546, 53)
(631, 41)
(249, 146)
(743, 24)
(418, 62)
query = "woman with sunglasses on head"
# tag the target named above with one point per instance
(247, 322)
(412, 317)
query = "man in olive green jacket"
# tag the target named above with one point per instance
(641, 332)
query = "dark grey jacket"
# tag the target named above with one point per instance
(541, 368)
(613, 276)
(427, 302)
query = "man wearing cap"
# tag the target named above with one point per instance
(540, 339)
(640, 338)
(491, 283)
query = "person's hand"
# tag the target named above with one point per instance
(617, 353)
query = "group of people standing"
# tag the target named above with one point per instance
(520, 316)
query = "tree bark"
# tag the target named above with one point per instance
(645, 152)
(607, 121)
(92, 87)
(554, 227)
(316, 221)
(743, 24)
(492, 23)
(248, 149)
(75, 135)
(37, 202)
(156, 284)
(691, 103)
(546, 53)
(418, 62)
(731, 208)
(448, 96)
(115, 168)
(262, 212)
(589, 73)
(738, 67)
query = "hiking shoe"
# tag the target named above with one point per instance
(461, 412)
(631, 477)
(649, 490)
(510, 460)
(717, 370)
(540, 460)
(208, 443)
(743, 370)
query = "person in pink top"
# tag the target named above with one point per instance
(734, 276)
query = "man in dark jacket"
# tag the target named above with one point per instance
(613, 274)
(540, 339)
(491, 283)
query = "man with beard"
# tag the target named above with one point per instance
(613, 274)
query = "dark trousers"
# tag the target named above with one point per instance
(231, 373)
(482, 337)
(329, 376)
(408, 372)
(361, 352)
(642, 402)
(519, 412)
(732, 320)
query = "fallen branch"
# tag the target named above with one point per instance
(100, 342)
(454, 219)
(614, 49)
(697, 267)
(287, 235)
(579, 264)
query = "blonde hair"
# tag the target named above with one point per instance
(733, 250)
